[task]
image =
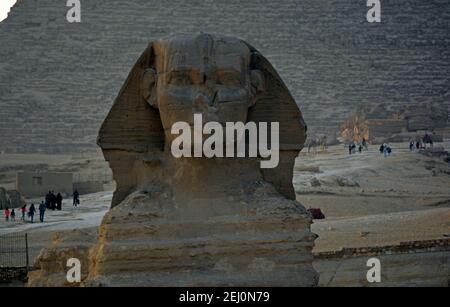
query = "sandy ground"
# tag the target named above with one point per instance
(86, 216)
(368, 200)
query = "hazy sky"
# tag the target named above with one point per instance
(4, 8)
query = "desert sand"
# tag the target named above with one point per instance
(372, 200)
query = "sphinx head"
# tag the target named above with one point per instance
(201, 74)
(222, 78)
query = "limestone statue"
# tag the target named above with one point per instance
(201, 221)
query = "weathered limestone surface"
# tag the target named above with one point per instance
(10, 199)
(58, 80)
(408, 264)
(51, 264)
(382, 129)
(242, 240)
(200, 221)
(425, 117)
(423, 269)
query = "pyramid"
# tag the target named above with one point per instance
(58, 79)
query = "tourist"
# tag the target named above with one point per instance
(364, 144)
(53, 201)
(13, 215)
(360, 148)
(427, 139)
(418, 145)
(42, 208)
(411, 146)
(430, 139)
(350, 149)
(387, 150)
(48, 200)
(59, 200)
(31, 213)
(7, 214)
(23, 210)
(76, 199)
(381, 148)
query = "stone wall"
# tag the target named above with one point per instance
(425, 269)
(425, 117)
(383, 128)
(403, 247)
(417, 263)
(88, 187)
(38, 184)
(58, 80)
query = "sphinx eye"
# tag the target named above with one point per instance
(180, 79)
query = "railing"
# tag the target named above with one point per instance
(14, 257)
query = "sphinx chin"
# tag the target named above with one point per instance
(198, 221)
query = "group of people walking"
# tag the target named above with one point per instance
(27, 213)
(421, 143)
(10, 215)
(358, 145)
(385, 149)
(354, 147)
(52, 202)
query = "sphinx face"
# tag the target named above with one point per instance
(202, 75)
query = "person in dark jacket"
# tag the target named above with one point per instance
(76, 199)
(31, 212)
(47, 200)
(388, 150)
(53, 201)
(42, 208)
(59, 200)
(364, 144)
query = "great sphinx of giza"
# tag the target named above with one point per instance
(201, 221)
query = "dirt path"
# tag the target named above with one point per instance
(89, 214)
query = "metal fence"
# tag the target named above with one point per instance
(14, 251)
